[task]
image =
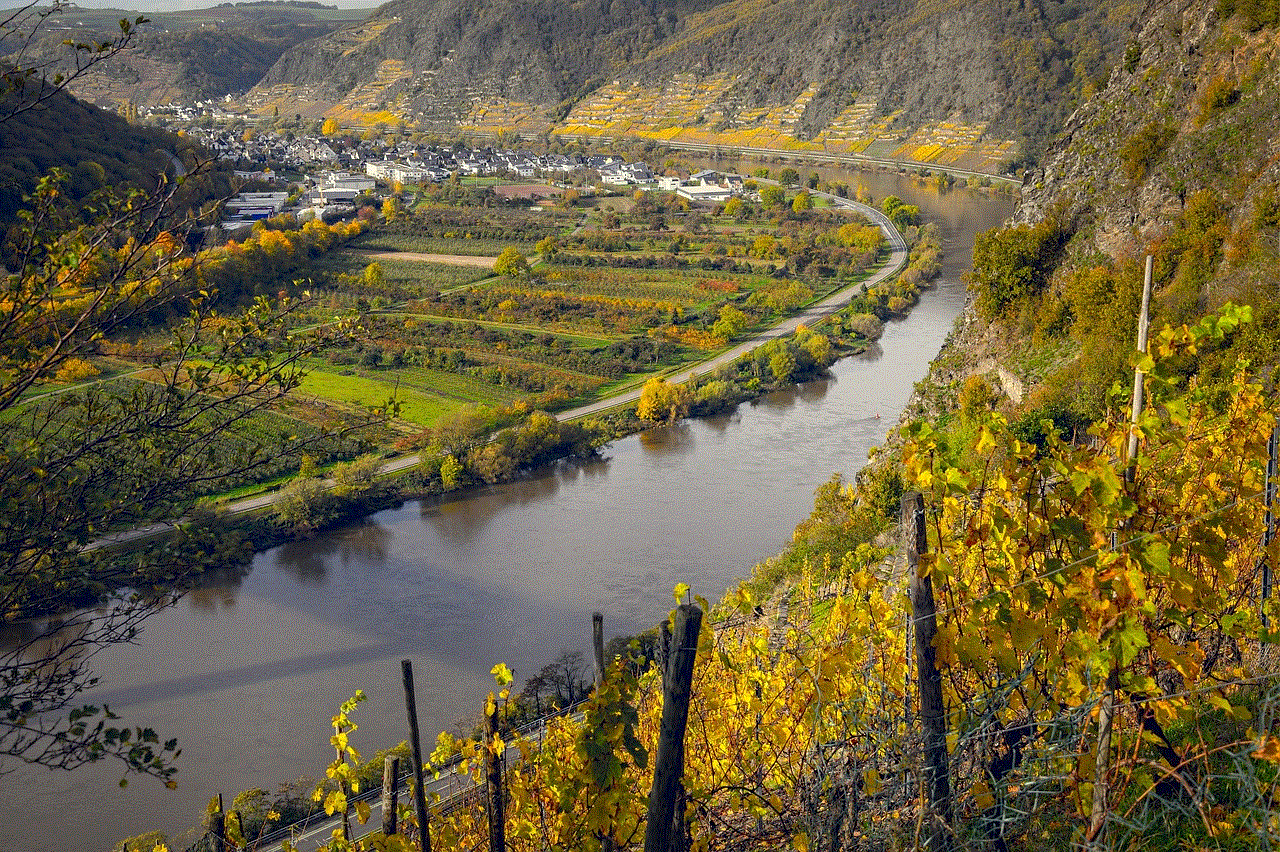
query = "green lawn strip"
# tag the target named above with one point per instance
(416, 406)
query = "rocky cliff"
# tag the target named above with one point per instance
(1177, 157)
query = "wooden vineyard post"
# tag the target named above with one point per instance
(390, 772)
(1135, 413)
(597, 645)
(493, 784)
(669, 763)
(419, 792)
(933, 716)
(1269, 529)
(1095, 837)
(218, 828)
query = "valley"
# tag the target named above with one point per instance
(1038, 617)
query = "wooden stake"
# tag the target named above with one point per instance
(669, 763)
(597, 644)
(419, 791)
(218, 827)
(933, 714)
(1144, 321)
(493, 784)
(1269, 530)
(1096, 838)
(664, 650)
(390, 772)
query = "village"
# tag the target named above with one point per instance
(325, 177)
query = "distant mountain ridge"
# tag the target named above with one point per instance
(187, 55)
(869, 74)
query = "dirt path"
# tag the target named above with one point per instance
(419, 257)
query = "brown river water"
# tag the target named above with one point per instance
(247, 674)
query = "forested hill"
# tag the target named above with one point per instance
(97, 149)
(1179, 156)
(872, 75)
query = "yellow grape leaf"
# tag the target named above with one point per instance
(1024, 632)
(336, 801)
(680, 591)
(800, 842)
(502, 674)
(362, 812)
(986, 441)
(870, 782)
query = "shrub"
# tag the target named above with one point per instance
(1143, 148)
(1012, 264)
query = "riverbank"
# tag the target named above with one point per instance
(788, 352)
(246, 670)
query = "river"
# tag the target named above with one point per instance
(247, 673)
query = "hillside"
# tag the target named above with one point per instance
(188, 55)
(96, 147)
(1177, 157)
(974, 83)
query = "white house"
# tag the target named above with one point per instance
(346, 180)
(705, 194)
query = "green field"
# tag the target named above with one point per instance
(416, 406)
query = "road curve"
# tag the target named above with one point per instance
(810, 316)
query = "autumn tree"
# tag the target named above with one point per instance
(663, 402)
(82, 460)
(772, 196)
(329, 128)
(1010, 264)
(511, 263)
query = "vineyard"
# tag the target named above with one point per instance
(1101, 690)
(614, 296)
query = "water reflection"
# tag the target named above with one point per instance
(675, 439)
(219, 595)
(874, 352)
(719, 423)
(308, 560)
